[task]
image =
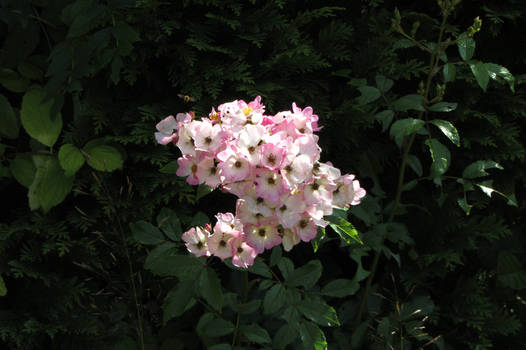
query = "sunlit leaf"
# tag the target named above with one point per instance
(38, 119)
(466, 48)
(447, 129)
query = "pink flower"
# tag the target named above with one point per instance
(271, 163)
(207, 137)
(208, 172)
(297, 171)
(186, 138)
(289, 238)
(196, 241)
(306, 228)
(188, 166)
(233, 166)
(272, 156)
(269, 184)
(249, 142)
(167, 130)
(243, 254)
(290, 210)
(261, 237)
(248, 216)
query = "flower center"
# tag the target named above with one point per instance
(222, 243)
(194, 168)
(237, 164)
(271, 181)
(261, 232)
(251, 149)
(259, 200)
(239, 250)
(271, 159)
(208, 140)
(303, 223)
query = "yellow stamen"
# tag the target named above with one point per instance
(247, 111)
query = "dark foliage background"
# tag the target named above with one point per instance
(75, 274)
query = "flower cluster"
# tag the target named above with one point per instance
(271, 163)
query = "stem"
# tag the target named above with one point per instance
(140, 330)
(433, 62)
(238, 316)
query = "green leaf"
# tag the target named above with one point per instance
(86, 20)
(284, 336)
(217, 328)
(478, 169)
(70, 158)
(405, 127)
(168, 221)
(495, 72)
(164, 260)
(223, 346)
(409, 102)
(312, 336)
(3, 288)
(320, 238)
(260, 268)
(450, 72)
(116, 65)
(466, 48)
(285, 266)
(9, 124)
(146, 233)
(206, 318)
(340, 288)
(177, 300)
(103, 157)
(249, 307)
(199, 219)
(385, 117)
(447, 129)
(53, 185)
(305, 276)
(358, 335)
(124, 343)
(344, 229)
(255, 333)
(30, 71)
(418, 307)
(464, 205)
(202, 190)
(12, 81)
(415, 164)
(369, 94)
(23, 169)
(481, 73)
(443, 107)
(510, 272)
(210, 288)
(318, 311)
(384, 84)
(274, 299)
(37, 117)
(486, 189)
(440, 155)
(123, 31)
(169, 168)
(276, 255)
